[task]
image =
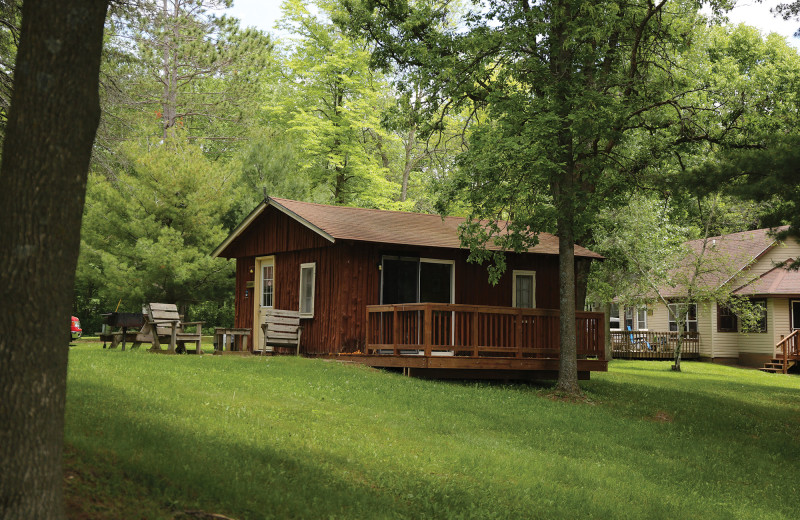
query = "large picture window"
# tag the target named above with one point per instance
(308, 275)
(691, 317)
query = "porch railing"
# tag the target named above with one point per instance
(653, 344)
(787, 348)
(435, 329)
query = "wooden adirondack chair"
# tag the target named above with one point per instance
(281, 328)
(165, 324)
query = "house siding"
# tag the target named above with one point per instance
(348, 280)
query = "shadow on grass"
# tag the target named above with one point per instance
(562, 454)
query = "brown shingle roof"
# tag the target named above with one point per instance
(725, 256)
(386, 227)
(779, 280)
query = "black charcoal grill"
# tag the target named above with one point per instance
(124, 320)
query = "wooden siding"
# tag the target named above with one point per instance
(273, 232)
(348, 279)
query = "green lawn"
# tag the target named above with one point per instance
(151, 436)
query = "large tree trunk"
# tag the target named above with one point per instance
(568, 359)
(52, 122)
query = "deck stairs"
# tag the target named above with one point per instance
(786, 356)
(776, 366)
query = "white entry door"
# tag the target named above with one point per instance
(265, 294)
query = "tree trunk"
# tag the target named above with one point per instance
(51, 126)
(568, 359)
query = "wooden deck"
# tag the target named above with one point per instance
(476, 342)
(653, 345)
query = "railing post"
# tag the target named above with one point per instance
(475, 333)
(601, 340)
(427, 333)
(395, 329)
(786, 352)
(518, 333)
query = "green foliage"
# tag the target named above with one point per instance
(147, 233)
(298, 438)
(335, 114)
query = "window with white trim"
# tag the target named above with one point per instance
(641, 318)
(308, 275)
(524, 295)
(691, 317)
(613, 316)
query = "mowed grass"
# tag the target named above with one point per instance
(285, 437)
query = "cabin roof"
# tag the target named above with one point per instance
(780, 280)
(388, 227)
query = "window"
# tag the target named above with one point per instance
(613, 320)
(308, 274)
(416, 280)
(524, 295)
(267, 283)
(691, 316)
(641, 318)
(726, 319)
(629, 318)
(762, 321)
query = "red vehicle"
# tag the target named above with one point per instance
(75, 330)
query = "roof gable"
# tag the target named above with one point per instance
(370, 225)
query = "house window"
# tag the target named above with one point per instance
(726, 319)
(691, 317)
(762, 320)
(524, 295)
(308, 276)
(613, 319)
(641, 318)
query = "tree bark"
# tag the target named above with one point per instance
(568, 358)
(51, 126)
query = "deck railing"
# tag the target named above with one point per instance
(787, 348)
(435, 329)
(645, 344)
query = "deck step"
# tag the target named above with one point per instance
(776, 366)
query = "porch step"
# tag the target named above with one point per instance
(776, 366)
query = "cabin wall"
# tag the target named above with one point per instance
(348, 280)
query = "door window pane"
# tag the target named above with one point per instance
(400, 280)
(434, 282)
(267, 284)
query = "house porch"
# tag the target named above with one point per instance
(476, 342)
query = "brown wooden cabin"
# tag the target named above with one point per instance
(340, 265)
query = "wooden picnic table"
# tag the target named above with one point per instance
(230, 339)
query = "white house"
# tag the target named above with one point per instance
(755, 269)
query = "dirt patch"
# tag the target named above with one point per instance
(662, 416)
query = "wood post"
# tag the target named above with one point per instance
(427, 331)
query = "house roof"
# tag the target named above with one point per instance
(780, 280)
(726, 256)
(387, 227)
